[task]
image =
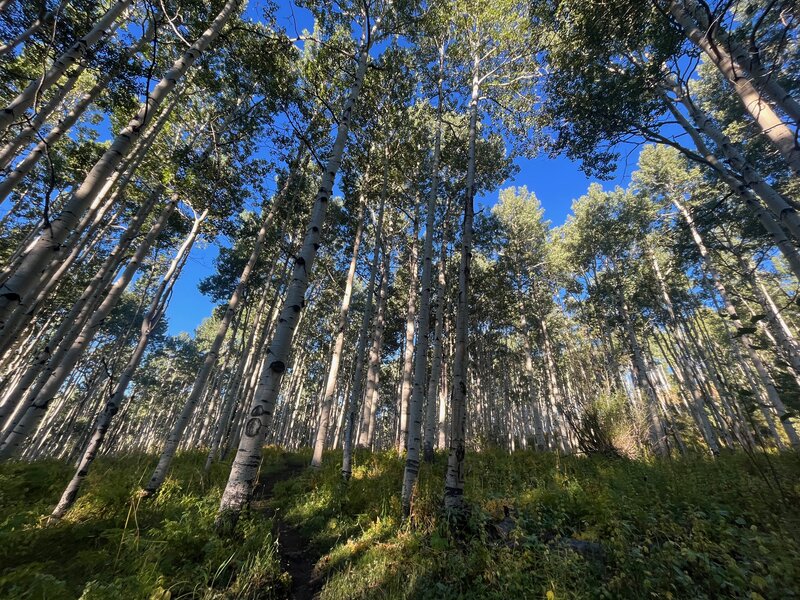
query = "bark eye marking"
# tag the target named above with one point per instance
(253, 427)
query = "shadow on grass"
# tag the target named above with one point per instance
(113, 544)
(690, 528)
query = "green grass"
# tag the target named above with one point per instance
(690, 528)
(113, 545)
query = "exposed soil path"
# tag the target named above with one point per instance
(296, 557)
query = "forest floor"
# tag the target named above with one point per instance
(296, 558)
(540, 526)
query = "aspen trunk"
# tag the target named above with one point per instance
(538, 428)
(42, 19)
(10, 150)
(684, 375)
(210, 359)
(401, 441)
(444, 395)
(82, 308)
(786, 214)
(454, 478)
(155, 311)
(248, 457)
(23, 314)
(732, 57)
(423, 329)
(338, 344)
(436, 358)
(367, 434)
(29, 95)
(20, 170)
(750, 177)
(783, 339)
(353, 399)
(247, 364)
(656, 432)
(16, 289)
(771, 124)
(772, 393)
(54, 376)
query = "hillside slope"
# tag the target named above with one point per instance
(541, 526)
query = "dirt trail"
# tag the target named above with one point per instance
(296, 557)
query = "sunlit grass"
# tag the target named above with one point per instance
(113, 544)
(691, 528)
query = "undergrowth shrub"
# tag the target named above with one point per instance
(539, 525)
(114, 544)
(576, 527)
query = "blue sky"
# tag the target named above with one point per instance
(556, 182)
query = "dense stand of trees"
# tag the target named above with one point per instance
(362, 301)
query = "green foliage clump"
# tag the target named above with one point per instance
(540, 525)
(114, 544)
(546, 526)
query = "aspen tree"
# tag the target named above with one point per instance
(28, 96)
(248, 457)
(414, 441)
(401, 441)
(773, 397)
(23, 167)
(54, 375)
(692, 20)
(15, 290)
(151, 318)
(338, 344)
(433, 405)
(352, 399)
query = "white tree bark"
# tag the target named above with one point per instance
(16, 289)
(366, 436)
(407, 373)
(454, 478)
(356, 389)
(81, 309)
(28, 96)
(248, 457)
(10, 150)
(741, 187)
(785, 212)
(414, 441)
(153, 315)
(12, 179)
(210, 359)
(60, 365)
(773, 397)
(741, 61)
(655, 431)
(338, 344)
(770, 122)
(436, 362)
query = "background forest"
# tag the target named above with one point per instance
(397, 393)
